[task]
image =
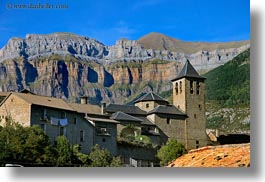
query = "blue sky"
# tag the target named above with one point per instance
(109, 20)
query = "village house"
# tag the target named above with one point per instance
(151, 115)
(81, 124)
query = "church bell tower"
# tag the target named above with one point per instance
(189, 97)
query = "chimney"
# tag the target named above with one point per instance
(83, 100)
(103, 107)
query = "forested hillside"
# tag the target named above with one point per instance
(230, 84)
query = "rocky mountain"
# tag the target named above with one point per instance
(204, 56)
(68, 66)
(159, 41)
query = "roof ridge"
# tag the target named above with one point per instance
(152, 95)
(127, 115)
(188, 71)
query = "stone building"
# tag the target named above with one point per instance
(151, 115)
(184, 121)
(189, 97)
(81, 124)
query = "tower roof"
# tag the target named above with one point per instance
(151, 96)
(188, 71)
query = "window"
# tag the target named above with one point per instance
(103, 140)
(168, 120)
(200, 107)
(178, 106)
(82, 135)
(147, 105)
(197, 144)
(176, 88)
(180, 86)
(198, 88)
(195, 116)
(75, 121)
(191, 87)
(62, 131)
(43, 127)
(102, 131)
(44, 114)
(63, 114)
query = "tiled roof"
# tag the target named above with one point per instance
(188, 71)
(44, 101)
(4, 94)
(85, 108)
(121, 116)
(166, 109)
(128, 109)
(151, 96)
(235, 155)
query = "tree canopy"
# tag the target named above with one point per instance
(30, 146)
(170, 151)
(25, 145)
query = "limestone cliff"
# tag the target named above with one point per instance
(68, 66)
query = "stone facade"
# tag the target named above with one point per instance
(78, 129)
(18, 109)
(188, 96)
(148, 105)
(108, 139)
(170, 126)
(76, 126)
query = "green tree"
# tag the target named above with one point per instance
(25, 145)
(64, 152)
(170, 151)
(80, 158)
(143, 138)
(102, 158)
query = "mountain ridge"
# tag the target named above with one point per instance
(160, 41)
(88, 49)
(67, 66)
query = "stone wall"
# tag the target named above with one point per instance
(18, 109)
(193, 105)
(171, 126)
(127, 151)
(107, 141)
(76, 123)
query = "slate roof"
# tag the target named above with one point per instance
(166, 109)
(151, 96)
(105, 120)
(128, 109)
(188, 71)
(146, 121)
(236, 155)
(121, 116)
